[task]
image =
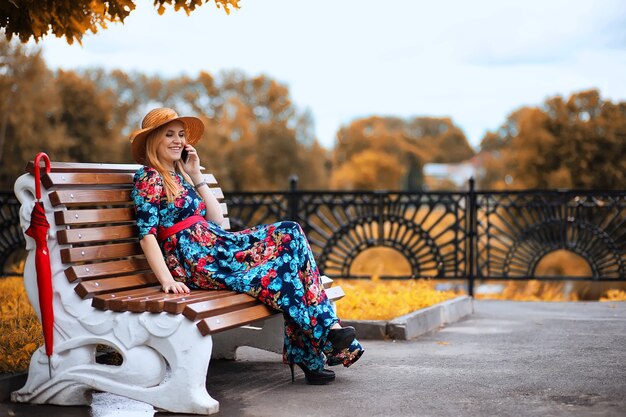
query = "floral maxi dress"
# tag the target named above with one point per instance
(272, 263)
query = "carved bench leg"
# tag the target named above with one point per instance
(41, 389)
(186, 355)
(167, 372)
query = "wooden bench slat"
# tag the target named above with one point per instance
(73, 178)
(97, 216)
(335, 293)
(104, 269)
(88, 289)
(102, 301)
(137, 304)
(118, 301)
(158, 305)
(72, 198)
(100, 252)
(217, 192)
(176, 306)
(97, 179)
(326, 282)
(97, 234)
(91, 216)
(234, 319)
(104, 234)
(241, 317)
(84, 167)
(204, 309)
(93, 179)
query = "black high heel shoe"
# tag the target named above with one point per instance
(322, 377)
(341, 338)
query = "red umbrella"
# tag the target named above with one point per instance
(38, 230)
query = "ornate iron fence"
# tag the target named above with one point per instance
(515, 230)
(11, 237)
(442, 235)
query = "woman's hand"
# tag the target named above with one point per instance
(192, 166)
(175, 287)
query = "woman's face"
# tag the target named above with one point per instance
(171, 144)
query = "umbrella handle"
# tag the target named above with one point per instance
(37, 174)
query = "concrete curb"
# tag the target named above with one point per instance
(414, 324)
(10, 383)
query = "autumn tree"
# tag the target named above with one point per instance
(29, 110)
(253, 124)
(35, 19)
(64, 114)
(408, 143)
(575, 143)
(86, 113)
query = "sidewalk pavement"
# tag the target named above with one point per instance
(507, 359)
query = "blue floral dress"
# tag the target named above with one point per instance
(273, 263)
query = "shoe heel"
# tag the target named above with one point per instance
(292, 375)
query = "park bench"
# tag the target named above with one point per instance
(104, 294)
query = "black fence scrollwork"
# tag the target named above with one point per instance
(442, 235)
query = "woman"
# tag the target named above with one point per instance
(179, 230)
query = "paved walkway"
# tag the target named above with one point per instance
(507, 359)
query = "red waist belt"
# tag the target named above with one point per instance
(165, 232)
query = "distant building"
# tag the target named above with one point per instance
(453, 176)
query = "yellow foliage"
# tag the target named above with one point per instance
(614, 295)
(386, 299)
(532, 290)
(20, 331)
(368, 170)
(72, 19)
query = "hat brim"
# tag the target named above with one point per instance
(194, 128)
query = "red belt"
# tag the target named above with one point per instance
(165, 232)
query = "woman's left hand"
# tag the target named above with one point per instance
(193, 160)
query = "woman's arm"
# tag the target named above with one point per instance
(151, 249)
(213, 208)
(192, 168)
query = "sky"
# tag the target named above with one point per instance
(473, 61)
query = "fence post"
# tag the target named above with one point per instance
(292, 213)
(471, 234)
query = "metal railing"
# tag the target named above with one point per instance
(466, 235)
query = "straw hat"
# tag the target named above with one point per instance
(157, 118)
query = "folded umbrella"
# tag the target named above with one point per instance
(38, 230)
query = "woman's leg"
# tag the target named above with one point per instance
(274, 263)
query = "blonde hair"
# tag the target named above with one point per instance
(172, 188)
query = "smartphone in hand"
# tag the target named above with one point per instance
(184, 155)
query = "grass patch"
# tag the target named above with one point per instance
(386, 299)
(20, 330)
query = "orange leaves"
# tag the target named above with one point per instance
(20, 331)
(565, 143)
(614, 295)
(387, 299)
(389, 152)
(190, 5)
(37, 18)
(368, 170)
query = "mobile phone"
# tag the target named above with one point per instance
(184, 155)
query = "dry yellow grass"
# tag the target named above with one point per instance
(614, 295)
(387, 299)
(20, 331)
(532, 290)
